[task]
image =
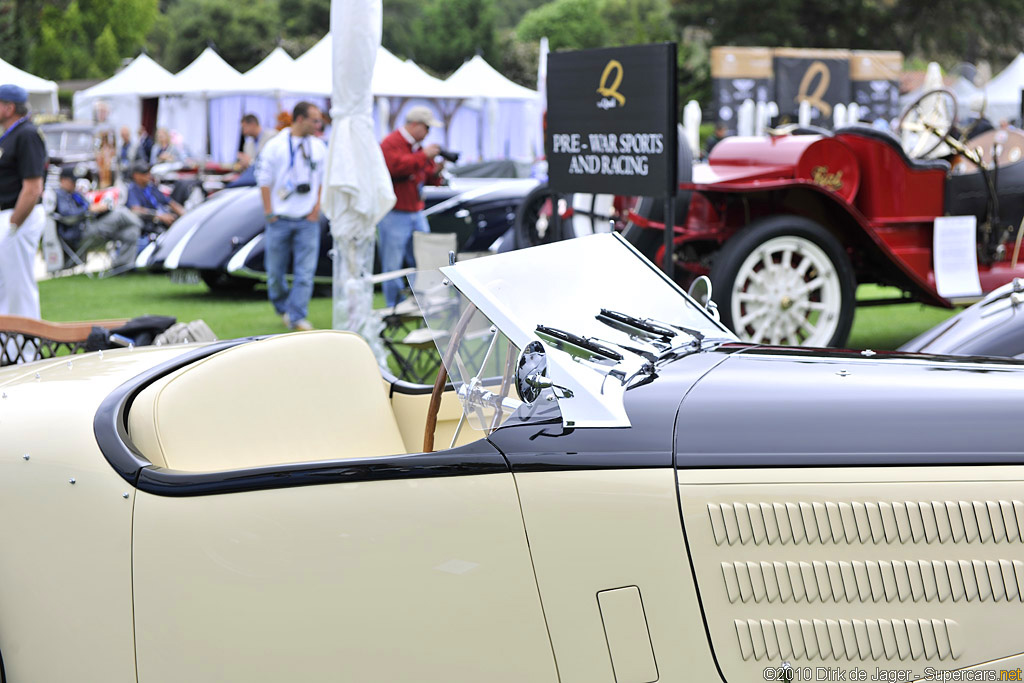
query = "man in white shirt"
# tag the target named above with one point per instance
(253, 140)
(289, 173)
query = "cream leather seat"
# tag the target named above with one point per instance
(298, 397)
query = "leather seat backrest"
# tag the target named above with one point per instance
(309, 396)
(890, 139)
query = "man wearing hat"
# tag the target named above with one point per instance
(145, 200)
(97, 224)
(22, 168)
(412, 165)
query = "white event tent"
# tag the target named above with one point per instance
(274, 85)
(185, 108)
(42, 94)
(485, 114)
(506, 123)
(1003, 92)
(396, 85)
(123, 93)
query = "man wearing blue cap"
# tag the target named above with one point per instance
(22, 168)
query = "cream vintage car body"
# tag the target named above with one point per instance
(697, 510)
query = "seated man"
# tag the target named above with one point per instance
(145, 199)
(97, 223)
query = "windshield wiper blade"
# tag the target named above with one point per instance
(615, 318)
(593, 347)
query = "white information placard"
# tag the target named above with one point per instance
(955, 253)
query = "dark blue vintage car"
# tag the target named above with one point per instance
(222, 239)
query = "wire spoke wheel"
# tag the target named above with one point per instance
(785, 280)
(787, 292)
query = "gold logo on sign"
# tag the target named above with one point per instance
(830, 181)
(814, 70)
(605, 90)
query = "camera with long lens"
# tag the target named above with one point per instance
(448, 155)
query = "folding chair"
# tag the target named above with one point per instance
(23, 340)
(415, 350)
(70, 233)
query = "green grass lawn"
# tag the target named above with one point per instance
(246, 314)
(126, 296)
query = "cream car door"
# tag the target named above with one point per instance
(409, 569)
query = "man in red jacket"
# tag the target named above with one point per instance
(411, 165)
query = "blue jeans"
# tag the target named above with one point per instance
(287, 238)
(395, 239)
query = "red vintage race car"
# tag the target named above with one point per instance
(787, 226)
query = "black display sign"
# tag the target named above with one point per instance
(739, 74)
(822, 81)
(729, 93)
(875, 87)
(878, 99)
(611, 121)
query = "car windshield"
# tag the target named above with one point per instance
(603, 313)
(63, 141)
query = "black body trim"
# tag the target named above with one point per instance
(109, 424)
(470, 460)
(109, 427)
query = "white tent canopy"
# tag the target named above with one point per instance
(141, 78)
(207, 75)
(477, 78)
(392, 77)
(275, 74)
(42, 94)
(1003, 92)
(123, 92)
(185, 110)
(504, 124)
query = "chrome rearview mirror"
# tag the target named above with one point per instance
(531, 372)
(700, 291)
(532, 375)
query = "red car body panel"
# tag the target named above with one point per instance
(893, 201)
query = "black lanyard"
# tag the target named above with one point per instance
(291, 154)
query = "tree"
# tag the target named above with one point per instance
(88, 38)
(634, 22)
(568, 25)
(448, 32)
(305, 20)
(961, 31)
(510, 12)
(785, 23)
(956, 30)
(400, 17)
(242, 32)
(105, 54)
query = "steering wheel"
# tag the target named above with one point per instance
(926, 123)
(474, 394)
(442, 377)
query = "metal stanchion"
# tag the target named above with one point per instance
(670, 233)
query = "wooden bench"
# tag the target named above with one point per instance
(23, 340)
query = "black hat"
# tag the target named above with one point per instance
(140, 167)
(68, 172)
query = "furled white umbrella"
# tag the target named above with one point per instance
(357, 186)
